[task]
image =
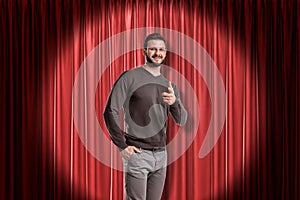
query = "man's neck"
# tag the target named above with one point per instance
(155, 71)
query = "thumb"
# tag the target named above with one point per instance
(137, 150)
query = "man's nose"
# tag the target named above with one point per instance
(158, 51)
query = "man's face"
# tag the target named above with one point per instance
(155, 52)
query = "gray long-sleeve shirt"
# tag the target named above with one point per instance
(139, 93)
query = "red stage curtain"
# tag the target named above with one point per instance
(255, 46)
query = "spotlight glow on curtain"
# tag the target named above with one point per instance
(255, 46)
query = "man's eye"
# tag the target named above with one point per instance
(156, 49)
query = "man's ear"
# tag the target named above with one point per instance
(144, 52)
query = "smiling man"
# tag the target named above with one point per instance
(147, 98)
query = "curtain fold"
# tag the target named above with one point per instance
(45, 44)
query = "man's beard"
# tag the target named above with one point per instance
(149, 61)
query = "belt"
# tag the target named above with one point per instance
(154, 149)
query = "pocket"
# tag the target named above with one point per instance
(132, 156)
(125, 161)
(134, 164)
(162, 158)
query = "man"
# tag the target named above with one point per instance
(146, 97)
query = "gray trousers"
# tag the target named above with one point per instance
(145, 175)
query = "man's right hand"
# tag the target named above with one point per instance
(126, 153)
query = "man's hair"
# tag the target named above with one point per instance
(153, 36)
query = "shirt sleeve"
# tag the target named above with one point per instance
(177, 109)
(114, 103)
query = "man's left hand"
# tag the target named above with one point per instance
(169, 97)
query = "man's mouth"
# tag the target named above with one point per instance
(157, 58)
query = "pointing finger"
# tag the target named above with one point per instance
(170, 84)
(170, 88)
